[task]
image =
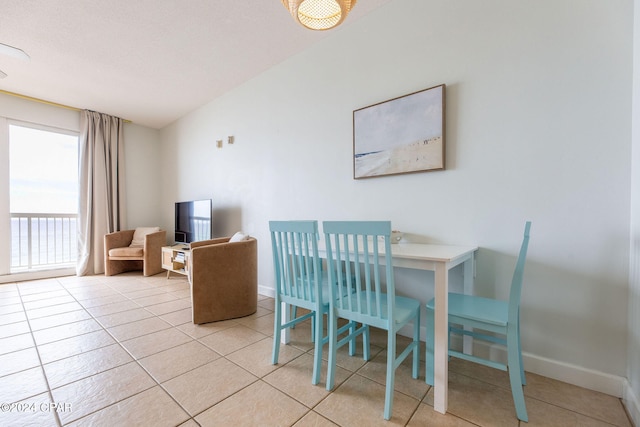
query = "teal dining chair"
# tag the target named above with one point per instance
(300, 282)
(493, 321)
(359, 259)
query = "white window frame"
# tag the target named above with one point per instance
(5, 215)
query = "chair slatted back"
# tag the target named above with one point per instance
(298, 270)
(357, 269)
(518, 274)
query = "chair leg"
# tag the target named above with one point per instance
(523, 379)
(390, 384)
(317, 352)
(515, 372)
(313, 327)
(366, 348)
(294, 314)
(429, 341)
(333, 344)
(352, 341)
(277, 322)
(416, 344)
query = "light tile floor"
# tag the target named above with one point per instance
(122, 351)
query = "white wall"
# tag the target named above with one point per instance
(538, 127)
(632, 397)
(143, 176)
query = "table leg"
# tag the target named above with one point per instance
(441, 344)
(469, 276)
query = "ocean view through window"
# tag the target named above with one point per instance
(43, 188)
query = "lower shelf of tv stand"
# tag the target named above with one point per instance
(175, 259)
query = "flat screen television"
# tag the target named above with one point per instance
(193, 221)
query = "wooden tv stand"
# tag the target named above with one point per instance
(176, 259)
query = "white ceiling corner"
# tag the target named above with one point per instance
(147, 61)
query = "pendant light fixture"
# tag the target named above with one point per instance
(319, 14)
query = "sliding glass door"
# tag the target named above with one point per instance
(43, 197)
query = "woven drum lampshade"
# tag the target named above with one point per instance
(319, 14)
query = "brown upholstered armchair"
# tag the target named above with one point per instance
(145, 254)
(224, 279)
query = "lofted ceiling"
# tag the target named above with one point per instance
(148, 61)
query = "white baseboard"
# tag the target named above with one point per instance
(612, 385)
(632, 404)
(37, 275)
(267, 292)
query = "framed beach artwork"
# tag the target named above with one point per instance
(401, 135)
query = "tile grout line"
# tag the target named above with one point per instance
(261, 378)
(103, 328)
(35, 344)
(551, 403)
(97, 373)
(191, 417)
(352, 373)
(193, 339)
(135, 359)
(224, 356)
(153, 378)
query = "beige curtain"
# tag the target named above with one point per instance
(102, 198)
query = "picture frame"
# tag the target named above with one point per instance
(401, 135)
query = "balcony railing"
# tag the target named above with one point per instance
(43, 241)
(201, 228)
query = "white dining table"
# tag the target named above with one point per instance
(440, 259)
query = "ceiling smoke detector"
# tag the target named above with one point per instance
(14, 52)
